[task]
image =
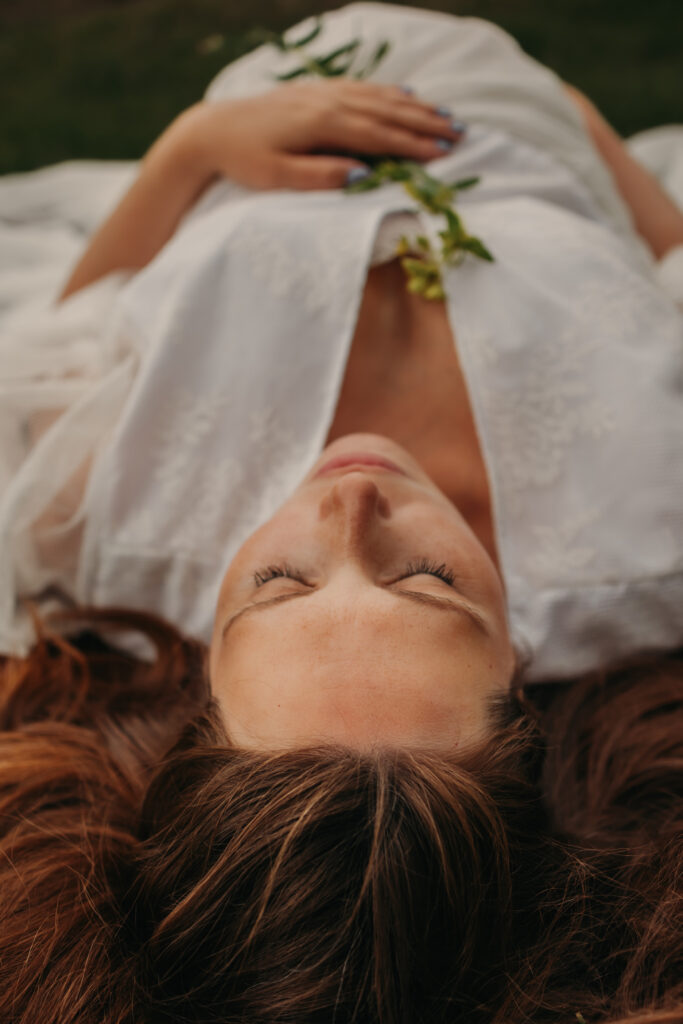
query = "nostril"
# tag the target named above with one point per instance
(356, 494)
(356, 486)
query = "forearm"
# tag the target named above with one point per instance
(168, 184)
(656, 217)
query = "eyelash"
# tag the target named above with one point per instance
(422, 565)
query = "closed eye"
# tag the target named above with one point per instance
(422, 566)
(459, 607)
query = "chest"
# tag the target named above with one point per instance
(403, 380)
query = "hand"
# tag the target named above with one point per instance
(290, 137)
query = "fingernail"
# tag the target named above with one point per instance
(444, 143)
(407, 90)
(458, 126)
(443, 112)
(357, 174)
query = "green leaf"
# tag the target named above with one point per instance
(336, 72)
(289, 75)
(313, 34)
(429, 186)
(339, 52)
(395, 171)
(364, 185)
(477, 248)
(414, 190)
(431, 192)
(379, 55)
(323, 66)
(464, 183)
(416, 266)
(454, 224)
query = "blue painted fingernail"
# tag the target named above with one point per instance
(444, 143)
(357, 174)
(407, 90)
(443, 112)
(458, 126)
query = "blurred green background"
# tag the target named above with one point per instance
(84, 78)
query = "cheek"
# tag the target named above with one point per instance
(274, 538)
(471, 561)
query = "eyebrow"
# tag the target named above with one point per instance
(444, 603)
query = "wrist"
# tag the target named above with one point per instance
(181, 152)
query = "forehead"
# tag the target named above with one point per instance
(348, 701)
(358, 677)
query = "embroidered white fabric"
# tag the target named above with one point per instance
(149, 424)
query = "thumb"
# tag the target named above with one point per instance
(317, 172)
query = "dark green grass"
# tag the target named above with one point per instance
(104, 83)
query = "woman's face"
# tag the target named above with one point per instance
(361, 644)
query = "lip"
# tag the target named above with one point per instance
(359, 459)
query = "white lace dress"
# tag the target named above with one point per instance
(149, 424)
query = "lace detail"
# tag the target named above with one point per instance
(538, 415)
(305, 279)
(485, 349)
(563, 550)
(536, 429)
(563, 356)
(183, 426)
(221, 501)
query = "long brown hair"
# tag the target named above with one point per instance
(150, 871)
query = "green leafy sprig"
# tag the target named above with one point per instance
(423, 267)
(425, 273)
(338, 62)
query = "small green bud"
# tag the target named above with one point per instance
(435, 291)
(415, 266)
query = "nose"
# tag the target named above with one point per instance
(355, 504)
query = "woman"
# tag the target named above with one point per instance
(407, 868)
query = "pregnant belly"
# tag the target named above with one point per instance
(403, 380)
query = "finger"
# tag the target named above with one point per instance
(313, 172)
(391, 98)
(365, 135)
(352, 89)
(420, 119)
